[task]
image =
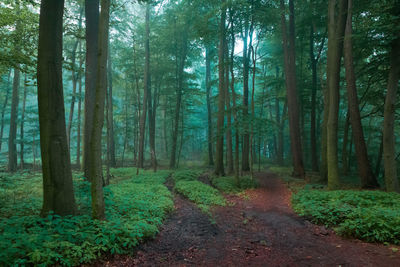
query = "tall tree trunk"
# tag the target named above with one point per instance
(74, 81)
(92, 29)
(78, 138)
(147, 84)
(180, 69)
(279, 150)
(368, 179)
(3, 110)
(246, 60)
(389, 141)
(12, 137)
(110, 118)
(379, 159)
(209, 111)
(291, 87)
(219, 152)
(313, 136)
(229, 150)
(95, 167)
(254, 54)
(58, 190)
(336, 27)
(21, 154)
(235, 112)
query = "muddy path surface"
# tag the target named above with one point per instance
(258, 230)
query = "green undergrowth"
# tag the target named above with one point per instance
(203, 195)
(228, 184)
(373, 216)
(186, 175)
(135, 208)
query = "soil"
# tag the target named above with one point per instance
(257, 229)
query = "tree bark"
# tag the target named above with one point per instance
(58, 191)
(95, 167)
(110, 115)
(345, 154)
(368, 179)
(336, 27)
(291, 87)
(229, 150)
(3, 110)
(92, 29)
(313, 137)
(219, 152)
(209, 111)
(389, 141)
(21, 154)
(12, 136)
(78, 138)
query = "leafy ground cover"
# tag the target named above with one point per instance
(372, 216)
(135, 208)
(203, 195)
(228, 184)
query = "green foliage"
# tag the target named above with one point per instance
(373, 216)
(203, 195)
(186, 175)
(135, 208)
(228, 184)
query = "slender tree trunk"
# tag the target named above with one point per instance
(110, 118)
(389, 141)
(78, 138)
(58, 191)
(92, 29)
(313, 136)
(336, 27)
(95, 167)
(379, 159)
(291, 87)
(3, 110)
(21, 154)
(246, 138)
(367, 177)
(12, 137)
(209, 111)
(229, 150)
(219, 152)
(235, 112)
(73, 99)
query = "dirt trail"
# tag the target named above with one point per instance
(259, 231)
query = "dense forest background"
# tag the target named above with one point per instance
(94, 93)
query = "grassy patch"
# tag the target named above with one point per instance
(372, 216)
(186, 175)
(135, 208)
(204, 196)
(228, 184)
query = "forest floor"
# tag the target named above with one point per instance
(257, 228)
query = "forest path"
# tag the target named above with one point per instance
(258, 230)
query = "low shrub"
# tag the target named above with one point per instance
(135, 209)
(204, 196)
(373, 216)
(186, 175)
(228, 184)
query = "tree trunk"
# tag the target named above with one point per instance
(3, 110)
(379, 159)
(92, 29)
(313, 136)
(229, 150)
(219, 152)
(368, 179)
(21, 154)
(389, 141)
(209, 111)
(246, 138)
(95, 167)
(291, 87)
(110, 114)
(12, 137)
(58, 191)
(74, 80)
(336, 27)
(78, 138)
